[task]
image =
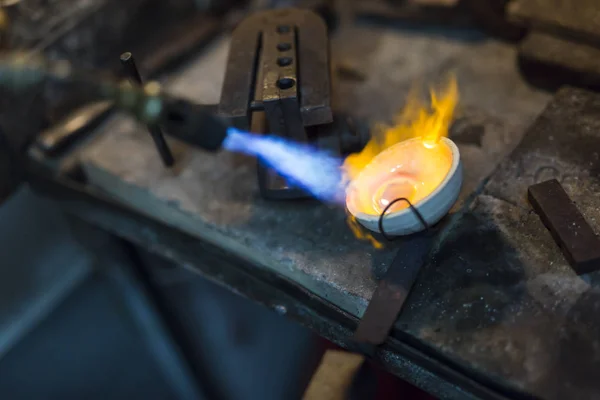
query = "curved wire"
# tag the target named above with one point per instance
(413, 209)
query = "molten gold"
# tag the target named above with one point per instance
(410, 170)
(416, 167)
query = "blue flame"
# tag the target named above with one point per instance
(313, 170)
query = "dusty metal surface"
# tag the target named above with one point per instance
(215, 197)
(524, 317)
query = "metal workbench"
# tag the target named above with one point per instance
(473, 326)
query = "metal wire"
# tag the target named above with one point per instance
(413, 209)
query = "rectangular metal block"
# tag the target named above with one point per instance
(570, 230)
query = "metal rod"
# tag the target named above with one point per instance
(133, 74)
(412, 208)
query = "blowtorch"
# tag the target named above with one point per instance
(189, 122)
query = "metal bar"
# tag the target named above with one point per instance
(566, 224)
(392, 291)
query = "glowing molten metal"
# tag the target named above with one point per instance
(409, 170)
(406, 160)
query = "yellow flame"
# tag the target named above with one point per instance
(415, 120)
(361, 234)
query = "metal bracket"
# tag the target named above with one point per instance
(278, 82)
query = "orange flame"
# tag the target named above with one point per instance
(362, 234)
(430, 123)
(415, 120)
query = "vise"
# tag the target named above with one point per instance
(278, 82)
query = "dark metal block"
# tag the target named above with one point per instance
(569, 228)
(312, 53)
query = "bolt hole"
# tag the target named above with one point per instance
(284, 29)
(284, 61)
(286, 83)
(284, 46)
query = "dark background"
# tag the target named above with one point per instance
(66, 330)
